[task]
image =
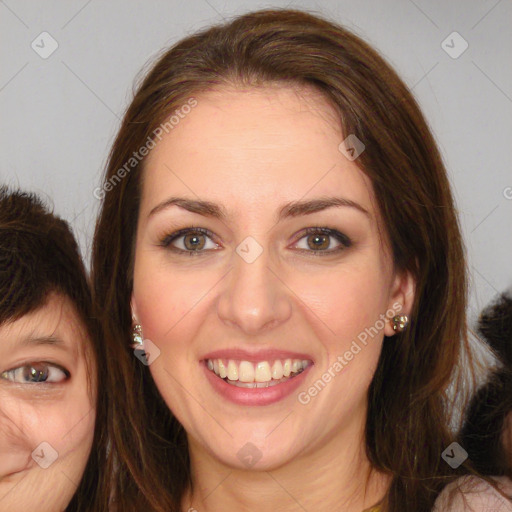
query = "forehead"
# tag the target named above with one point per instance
(249, 146)
(56, 323)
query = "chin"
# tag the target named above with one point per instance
(247, 451)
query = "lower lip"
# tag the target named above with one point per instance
(255, 396)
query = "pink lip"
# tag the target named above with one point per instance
(255, 356)
(254, 396)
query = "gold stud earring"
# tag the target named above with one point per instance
(400, 322)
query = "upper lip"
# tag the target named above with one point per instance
(256, 355)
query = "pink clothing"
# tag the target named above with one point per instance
(475, 495)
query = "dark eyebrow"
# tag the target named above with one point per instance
(205, 208)
(315, 205)
(293, 209)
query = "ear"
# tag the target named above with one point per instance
(401, 299)
(133, 307)
(135, 321)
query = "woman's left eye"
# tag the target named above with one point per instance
(36, 373)
(319, 241)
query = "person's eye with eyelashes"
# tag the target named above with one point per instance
(314, 240)
(40, 372)
(189, 240)
(318, 241)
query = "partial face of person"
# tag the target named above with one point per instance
(47, 409)
(262, 277)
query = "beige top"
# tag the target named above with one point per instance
(475, 495)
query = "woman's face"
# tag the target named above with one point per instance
(258, 253)
(46, 408)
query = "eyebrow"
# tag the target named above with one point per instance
(292, 209)
(44, 340)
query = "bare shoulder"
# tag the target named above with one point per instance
(470, 494)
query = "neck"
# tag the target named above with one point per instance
(334, 476)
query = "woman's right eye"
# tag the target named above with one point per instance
(36, 373)
(192, 241)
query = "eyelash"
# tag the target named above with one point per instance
(344, 240)
(35, 365)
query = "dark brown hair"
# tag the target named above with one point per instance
(38, 256)
(485, 419)
(409, 412)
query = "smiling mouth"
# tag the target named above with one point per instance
(263, 374)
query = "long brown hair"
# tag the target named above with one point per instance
(39, 255)
(409, 413)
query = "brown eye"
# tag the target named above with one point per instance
(318, 241)
(36, 373)
(194, 241)
(323, 241)
(190, 241)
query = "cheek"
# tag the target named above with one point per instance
(69, 430)
(164, 296)
(346, 301)
(67, 425)
(54, 451)
(49, 442)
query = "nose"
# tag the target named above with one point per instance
(254, 299)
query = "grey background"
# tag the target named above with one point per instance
(59, 115)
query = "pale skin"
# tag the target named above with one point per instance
(41, 403)
(250, 152)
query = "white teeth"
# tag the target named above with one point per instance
(287, 368)
(277, 370)
(262, 373)
(222, 370)
(252, 385)
(246, 372)
(232, 370)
